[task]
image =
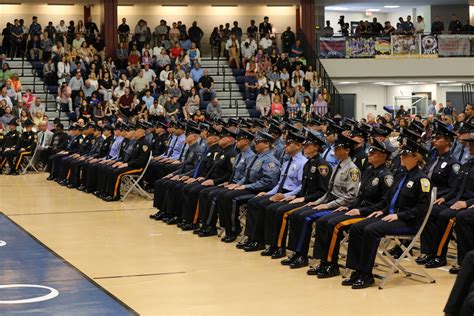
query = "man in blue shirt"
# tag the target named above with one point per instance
(331, 136)
(196, 73)
(289, 185)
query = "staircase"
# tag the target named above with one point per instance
(226, 87)
(30, 79)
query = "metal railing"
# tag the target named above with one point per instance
(223, 74)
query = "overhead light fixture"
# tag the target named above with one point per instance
(331, 8)
(224, 5)
(279, 5)
(346, 82)
(174, 5)
(385, 83)
(415, 82)
(444, 81)
(391, 6)
(60, 3)
(372, 10)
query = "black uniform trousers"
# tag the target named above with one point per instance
(255, 223)
(15, 157)
(465, 233)
(276, 220)
(157, 170)
(160, 187)
(461, 299)
(90, 174)
(103, 170)
(208, 205)
(173, 197)
(114, 177)
(428, 238)
(57, 168)
(51, 162)
(228, 204)
(329, 233)
(74, 173)
(365, 237)
(189, 201)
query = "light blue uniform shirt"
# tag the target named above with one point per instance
(294, 177)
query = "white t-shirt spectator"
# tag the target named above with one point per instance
(148, 101)
(186, 84)
(149, 75)
(265, 43)
(156, 110)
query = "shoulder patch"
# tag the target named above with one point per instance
(425, 185)
(323, 170)
(388, 179)
(355, 174)
(456, 168)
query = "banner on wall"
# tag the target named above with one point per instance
(332, 47)
(405, 45)
(359, 47)
(383, 46)
(429, 45)
(454, 45)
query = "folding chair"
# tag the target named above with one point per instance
(30, 162)
(131, 182)
(395, 264)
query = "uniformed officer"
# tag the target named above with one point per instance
(443, 171)
(316, 174)
(289, 184)
(382, 133)
(278, 144)
(376, 181)
(215, 171)
(173, 199)
(9, 142)
(360, 156)
(190, 161)
(25, 147)
(134, 165)
(461, 299)
(260, 176)
(452, 208)
(406, 203)
(343, 189)
(460, 148)
(208, 196)
(75, 136)
(331, 135)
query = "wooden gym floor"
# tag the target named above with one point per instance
(159, 270)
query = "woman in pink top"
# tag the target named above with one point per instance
(28, 99)
(277, 108)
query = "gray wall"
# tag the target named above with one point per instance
(445, 12)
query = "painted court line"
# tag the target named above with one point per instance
(80, 212)
(137, 275)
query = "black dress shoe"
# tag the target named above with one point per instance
(97, 193)
(63, 183)
(279, 253)
(422, 260)
(316, 270)
(349, 281)
(50, 177)
(268, 252)
(88, 190)
(111, 198)
(241, 245)
(254, 246)
(454, 270)
(289, 260)
(13, 173)
(188, 227)
(230, 238)
(172, 221)
(71, 186)
(208, 232)
(396, 252)
(329, 271)
(81, 187)
(436, 262)
(363, 281)
(197, 230)
(300, 262)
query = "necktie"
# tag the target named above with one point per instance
(397, 193)
(233, 169)
(433, 166)
(183, 150)
(333, 176)
(249, 168)
(42, 140)
(170, 150)
(461, 154)
(196, 172)
(285, 175)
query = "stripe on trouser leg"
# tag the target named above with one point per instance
(335, 233)
(20, 158)
(283, 224)
(119, 177)
(307, 222)
(196, 213)
(445, 236)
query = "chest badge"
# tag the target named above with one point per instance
(410, 184)
(313, 169)
(443, 165)
(375, 182)
(456, 168)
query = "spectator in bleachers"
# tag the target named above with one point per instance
(251, 84)
(206, 87)
(173, 108)
(297, 50)
(264, 102)
(17, 39)
(293, 108)
(64, 98)
(420, 25)
(388, 29)
(273, 77)
(215, 42)
(16, 85)
(455, 26)
(28, 99)
(50, 30)
(277, 110)
(192, 104)
(7, 38)
(213, 110)
(37, 106)
(76, 84)
(5, 72)
(139, 84)
(7, 116)
(265, 43)
(438, 26)
(320, 106)
(315, 85)
(34, 48)
(5, 97)
(123, 31)
(234, 53)
(265, 27)
(326, 95)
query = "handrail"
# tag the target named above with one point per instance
(33, 72)
(223, 72)
(236, 108)
(230, 92)
(218, 61)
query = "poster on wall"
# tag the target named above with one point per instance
(382, 46)
(359, 47)
(429, 45)
(454, 45)
(332, 47)
(405, 45)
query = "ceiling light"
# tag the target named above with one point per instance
(331, 8)
(415, 82)
(224, 5)
(391, 6)
(372, 10)
(347, 82)
(174, 5)
(444, 81)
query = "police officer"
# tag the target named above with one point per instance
(331, 135)
(376, 181)
(291, 176)
(360, 156)
(75, 137)
(260, 176)
(218, 171)
(343, 189)
(316, 174)
(25, 147)
(190, 161)
(460, 149)
(278, 144)
(174, 197)
(406, 203)
(134, 165)
(452, 208)
(443, 171)
(208, 196)
(9, 142)
(461, 299)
